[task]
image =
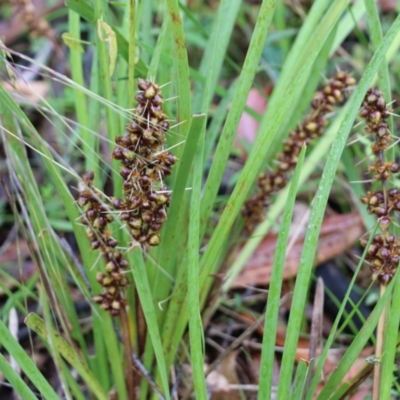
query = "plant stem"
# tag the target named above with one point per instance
(131, 70)
(379, 349)
(140, 325)
(132, 375)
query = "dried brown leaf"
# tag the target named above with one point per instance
(338, 233)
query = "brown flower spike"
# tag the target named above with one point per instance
(29, 14)
(384, 252)
(312, 127)
(145, 164)
(97, 217)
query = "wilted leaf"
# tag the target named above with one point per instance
(227, 374)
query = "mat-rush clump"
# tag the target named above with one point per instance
(384, 252)
(145, 164)
(311, 127)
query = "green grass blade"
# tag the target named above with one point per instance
(85, 10)
(356, 346)
(303, 369)
(158, 50)
(390, 341)
(48, 244)
(274, 291)
(347, 23)
(54, 170)
(243, 86)
(303, 52)
(217, 121)
(214, 53)
(145, 28)
(88, 139)
(105, 47)
(132, 54)
(26, 364)
(37, 324)
(195, 323)
(52, 340)
(173, 233)
(15, 380)
(100, 362)
(176, 317)
(17, 298)
(376, 38)
(182, 68)
(76, 388)
(303, 100)
(139, 273)
(334, 330)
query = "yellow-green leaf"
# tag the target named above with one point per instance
(72, 42)
(107, 35)
(37, 324)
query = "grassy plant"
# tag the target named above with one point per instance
(170, 290)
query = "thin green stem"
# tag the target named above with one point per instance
(132, 49)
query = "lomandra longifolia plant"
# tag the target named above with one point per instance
(312, 127)
(144, 165)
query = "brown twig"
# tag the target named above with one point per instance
(132, 375)
(379, 349)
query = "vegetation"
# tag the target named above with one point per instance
(126, 240)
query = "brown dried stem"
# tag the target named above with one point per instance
(132, 374)
(379, 349)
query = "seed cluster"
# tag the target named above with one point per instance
(384, 252)
(37, 25)
(145, 164)
(97, 217)
(312, 127)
